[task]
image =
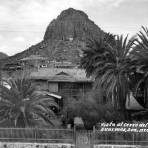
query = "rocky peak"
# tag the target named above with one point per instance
(72, 13)
(72, 24)
(65, 38)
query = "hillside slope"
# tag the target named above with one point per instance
(3, 55)
(65, 37)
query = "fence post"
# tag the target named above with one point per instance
(11, 133)
(94, 132)
(75, 138)
(133, 138)
(35, 134)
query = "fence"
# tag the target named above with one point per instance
(94, 137)
(37, 135)
(120, 138)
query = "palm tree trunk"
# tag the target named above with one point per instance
(122, 101)
(146, 93)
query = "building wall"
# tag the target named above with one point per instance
(65, 88)
(74, 89)
(53, 86)
(41, 84)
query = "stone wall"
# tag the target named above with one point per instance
(34, 145)
(117, 146)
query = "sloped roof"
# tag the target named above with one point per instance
(62, 77)
(132, 103)
(61, 74)
(78, 121)
(49, 94)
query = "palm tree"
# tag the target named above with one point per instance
(21, 106)
(141, 49)
(140, 53)
(110, 64)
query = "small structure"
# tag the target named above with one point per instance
(63, 64)
(78, 122)
(132, 103)
(14, 66)
(35, 61)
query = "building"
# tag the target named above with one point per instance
(34, 62)
(59, 80)
(14, 66)
(66, 82)
(66, 79)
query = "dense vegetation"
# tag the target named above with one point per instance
(114, 61)
(92, 108)
(22, 106)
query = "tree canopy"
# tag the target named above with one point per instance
(22, 106)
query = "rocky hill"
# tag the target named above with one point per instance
(3, 55)
(74, 24)
(65, 37)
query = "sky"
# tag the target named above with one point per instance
(24, 22)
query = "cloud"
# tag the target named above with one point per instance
(1, 37)
(23, 22)
(101, 3)
(19, 39)
(34, 11)
(5, 49)
(35, 15)
(116, 3)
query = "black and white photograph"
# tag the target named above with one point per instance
(73, 73)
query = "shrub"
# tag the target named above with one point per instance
(92, 108)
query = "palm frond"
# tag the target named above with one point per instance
(110, 64)
(20, 102)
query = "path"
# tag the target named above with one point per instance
(83, 139)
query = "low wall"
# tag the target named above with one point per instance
(34, 145)
(117, 146)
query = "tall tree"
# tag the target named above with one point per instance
(109, 62)
(141, 50)
(20, 105)
(140, 53)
